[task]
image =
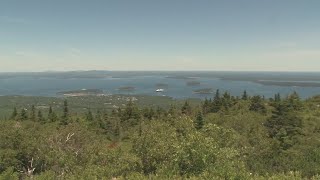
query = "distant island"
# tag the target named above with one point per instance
(193, 83)
(204, 91)
(161, 85)
(82, 92)
(180, 77)
(288, 79)
(288, 83)
(126, 88)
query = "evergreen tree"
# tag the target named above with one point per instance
(52, 116)
(186, 108)
(108, 122)
(226, 101)
(116, 132)
(206, 106)
(294, 101)
(199, 121)
(33, 113)
(131, 114)
(14, 114)
(23, 115)
(97, 120)
(148, 113)
(140, 128)
(172, 110)
(40, 117)
(216, 103)
(284, 125)
(277, 97)
(65, 109)
(65, 117)
(105, 123)
(257, 105)
(217, 95)
(244, 95)
(98, 116)
(89, 116)
(159, 112)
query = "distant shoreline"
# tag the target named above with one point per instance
(288, 83)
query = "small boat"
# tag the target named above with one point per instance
(159, 90)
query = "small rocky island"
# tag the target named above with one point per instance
(126, 88)
(193, 83)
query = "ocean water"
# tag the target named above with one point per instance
(145, 84)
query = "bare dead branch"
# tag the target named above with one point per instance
(69, 136)
(30, 169)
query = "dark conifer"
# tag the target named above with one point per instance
(284, 125)
(172, 110)
(65, 117)
(97, 119)
(206, 106)
(52, 117)
(14, 114)
(106, 123)
(116, 132)
(199, 121)
(33, 113)
(277, 97)
(131, 112)
(40, 117)
(89, 116)
(257, 104)
(216, 103)
(186, 108)
(226, 101)
(23, 115)
(294, 101)
(244, 95)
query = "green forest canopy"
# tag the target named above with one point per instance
(226, 137)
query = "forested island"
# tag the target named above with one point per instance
(193, 83)
(225, 137)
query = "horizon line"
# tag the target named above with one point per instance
(62, 71)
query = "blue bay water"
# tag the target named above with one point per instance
(144, 85)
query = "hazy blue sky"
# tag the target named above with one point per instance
(270, 35)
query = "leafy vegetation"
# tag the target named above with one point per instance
(226, 137)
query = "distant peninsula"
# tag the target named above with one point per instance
(288, 83)
(204, 91)
(82, 92)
